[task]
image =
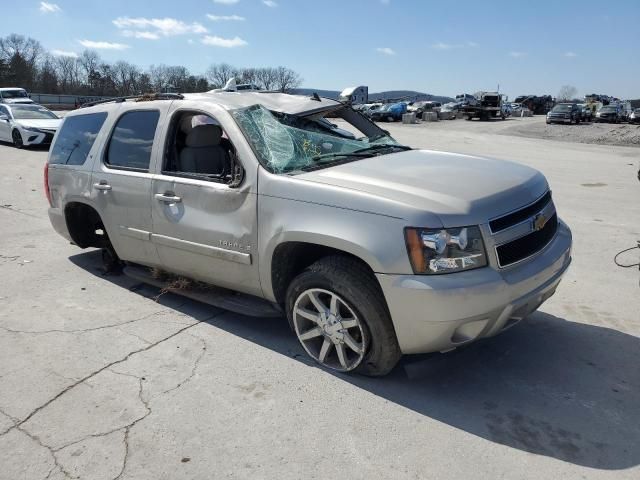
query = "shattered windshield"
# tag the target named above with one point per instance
(287, 143)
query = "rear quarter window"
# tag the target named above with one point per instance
(132, 140)
(76, 138)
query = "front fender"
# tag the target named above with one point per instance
(378, 240)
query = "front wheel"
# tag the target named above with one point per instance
(17, 139)
(339, 315)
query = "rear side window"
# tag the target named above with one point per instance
(76, 138)
(132, 139)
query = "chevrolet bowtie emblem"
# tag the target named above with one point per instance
(539, 221)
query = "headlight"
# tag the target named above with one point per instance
(436, 251)
(598, 114)
(31, 129)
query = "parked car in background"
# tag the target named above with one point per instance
(11, 95)
(586, 114)
(466, 99)
(391, 112)
(423, 106)
(635, 116)
(367, 108)
(506, 110)
(25, 125)
(519, 110)
(626, 110)
(609, 114)
(565, 113)
(370, 248)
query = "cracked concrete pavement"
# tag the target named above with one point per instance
(100, 381)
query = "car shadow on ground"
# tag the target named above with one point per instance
(549, 386)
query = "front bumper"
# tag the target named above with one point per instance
(439, 313)
(559, 120)
(36, 137)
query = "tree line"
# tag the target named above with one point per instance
(25, 63)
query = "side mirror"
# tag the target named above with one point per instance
(3, 117)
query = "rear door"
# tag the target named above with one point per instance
(121, 182)
(204, 228)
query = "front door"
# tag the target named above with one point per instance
(5, 125)
(203, 228)
(121, 183)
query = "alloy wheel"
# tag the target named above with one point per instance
(329, 330)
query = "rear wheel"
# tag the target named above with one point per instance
(339, 315)
(17, 139)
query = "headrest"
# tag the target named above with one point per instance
(204, 136)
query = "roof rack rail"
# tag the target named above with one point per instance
(147, 97)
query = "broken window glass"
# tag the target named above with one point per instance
(286, 143)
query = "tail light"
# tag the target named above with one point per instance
(47, 192)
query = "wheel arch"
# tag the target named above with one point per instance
(295, 252)
(85, 225)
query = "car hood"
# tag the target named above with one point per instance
(17, 100)
(47, 124)
(459, 189)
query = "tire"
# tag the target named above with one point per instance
(359, 298)
(17, 139)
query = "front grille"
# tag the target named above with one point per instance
(526, 246)
(514, 218)
(48, 137)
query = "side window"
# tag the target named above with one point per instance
(198, 147)
(132, 140)
(75, 138)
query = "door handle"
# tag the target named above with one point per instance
(167, 198)
(104, 186)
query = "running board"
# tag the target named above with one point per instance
(214, 296)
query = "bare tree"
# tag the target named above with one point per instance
(89, 61)
(219, 74)
(126, 77)
(67, 69)
(21, 54)
(23, 62)
(159, 77)
(47, 77)
(14, 44)
(567, 92)
(266, 77)
(286, 79)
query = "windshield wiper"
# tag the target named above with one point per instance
(336, 158)
(383, 146)
(360, 153)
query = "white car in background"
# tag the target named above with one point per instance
(25, 125)
(14, 95)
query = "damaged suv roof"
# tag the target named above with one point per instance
(277, 102)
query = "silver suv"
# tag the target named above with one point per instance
(370, 248)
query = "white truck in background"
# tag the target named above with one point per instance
(355, 95)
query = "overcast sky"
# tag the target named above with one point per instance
(445, 47)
